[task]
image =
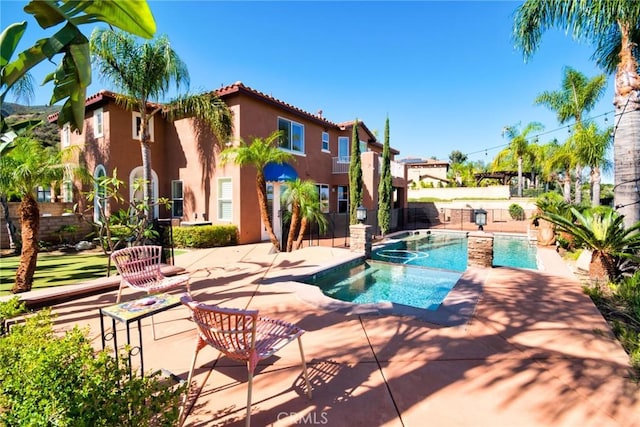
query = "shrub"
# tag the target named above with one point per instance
(205, 236)
(516, 211)
(8, 309)
(58, 380)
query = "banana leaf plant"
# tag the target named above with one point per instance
(73, 73)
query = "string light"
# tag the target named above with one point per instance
(536, 136)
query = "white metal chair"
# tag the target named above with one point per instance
(139, 268)
(241, 335)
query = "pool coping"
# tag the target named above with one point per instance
(456, 309)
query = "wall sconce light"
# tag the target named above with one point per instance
(361, 214)
(481, 218)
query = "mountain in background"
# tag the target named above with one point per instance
(47, 133)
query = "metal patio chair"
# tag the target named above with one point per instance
(139, 268)
(241, 335)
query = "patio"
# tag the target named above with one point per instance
(536, 352)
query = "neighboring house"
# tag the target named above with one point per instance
(427, 172)
(185, 159)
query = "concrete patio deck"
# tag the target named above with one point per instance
(535, 352)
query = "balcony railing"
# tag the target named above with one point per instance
(341, 165)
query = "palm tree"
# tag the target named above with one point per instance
(299, 195)
(561, 161)
(591, 148)
(25, 167)
(310, 212)
(601, 230)
(612, 27)
(144, 74)
(260, 152)
(518, 147)
(578, 96)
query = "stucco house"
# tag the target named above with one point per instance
(427, 171)
(186, 169)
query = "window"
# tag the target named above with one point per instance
(65, 141)
(177, 198)
(292, 135)
(323, 193)
(43, 194)
(136, 191)
(325, 141)
(67, 190)
(136, 122)
(98, 130)
(101, 192)
(343, 199)
(364, 147)
(343, 149)
(225, 199)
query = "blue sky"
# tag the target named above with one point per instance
(445, 73)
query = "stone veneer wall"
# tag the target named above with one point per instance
(360, 239)
(480, 249)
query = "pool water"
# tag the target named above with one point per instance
(375, 282)
(418, 270)
(449, 251)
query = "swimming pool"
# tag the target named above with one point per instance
(417, 270)
(449, 251)
(375, 282)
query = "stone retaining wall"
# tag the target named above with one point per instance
(54, 218)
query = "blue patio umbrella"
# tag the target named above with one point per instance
(275, 172)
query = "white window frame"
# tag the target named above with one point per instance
(343, 141)
(290, 131)
(135, 131)
(97, 173)
(98, 123)
(65, 139)
(324, 204)
(325, 142)
(224, 199)
(67, 188)
(138, 173)
(177, 197)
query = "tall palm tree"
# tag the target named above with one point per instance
(25, 167)
(299, 195)
(518, 147)
(561, 162)
(591, 148)
(257, 154)
(578, 96)
(612, 27)
(143, 74)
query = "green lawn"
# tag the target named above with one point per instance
(56, 269)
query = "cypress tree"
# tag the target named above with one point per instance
(355, 175)
(385, 188)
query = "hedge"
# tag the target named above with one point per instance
(205, 236)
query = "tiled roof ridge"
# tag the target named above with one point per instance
(239, 86)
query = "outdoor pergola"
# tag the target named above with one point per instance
(503, 176)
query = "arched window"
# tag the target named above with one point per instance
(100, 190)
(137, 173)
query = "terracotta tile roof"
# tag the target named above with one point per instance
(239, 87)
(93, 99)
